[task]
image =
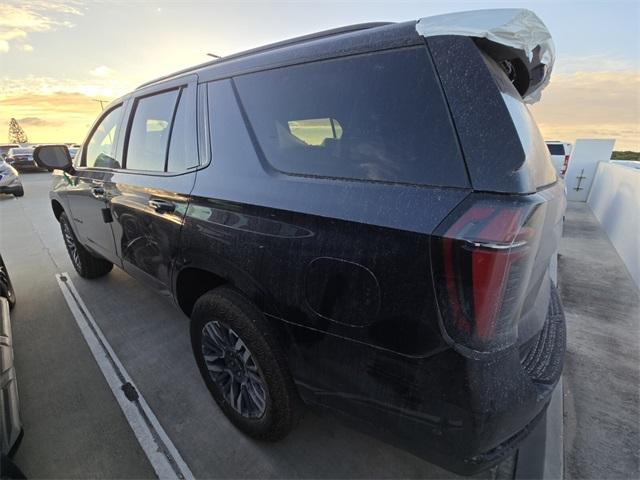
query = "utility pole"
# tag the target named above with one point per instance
(102, 102)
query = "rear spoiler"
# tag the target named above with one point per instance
(515, 38)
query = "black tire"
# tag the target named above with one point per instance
(282, 405)
(19, 192)
(86, 264)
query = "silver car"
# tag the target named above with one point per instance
(11, 426)
(10, 181)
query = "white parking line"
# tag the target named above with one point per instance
(158, 447)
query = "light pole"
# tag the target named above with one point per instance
(102, 102)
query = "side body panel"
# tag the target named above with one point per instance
(342, 270)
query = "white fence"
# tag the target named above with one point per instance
(615, 201)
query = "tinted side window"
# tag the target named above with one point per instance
(379, 116)
(182, 145)
(150, 130)
(102, 145)
(556, 149)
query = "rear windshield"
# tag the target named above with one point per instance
(378, 116)
(556, 148)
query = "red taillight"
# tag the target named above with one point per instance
(565, 165)
(481, 258)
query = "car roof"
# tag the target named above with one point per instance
(348, 40)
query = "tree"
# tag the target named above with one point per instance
(16, 133)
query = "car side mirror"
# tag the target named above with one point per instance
(53, 157)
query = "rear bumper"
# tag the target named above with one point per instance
(12, 190)
(487, 407)
(463, 414)
(510, 394)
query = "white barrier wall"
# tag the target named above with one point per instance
(615, 200)
(584, 159)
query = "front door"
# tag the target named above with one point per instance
(88, 190)
(150, 194)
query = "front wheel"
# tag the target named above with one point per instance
(242, 365)
(86, 264)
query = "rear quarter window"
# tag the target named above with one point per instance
(377, 117)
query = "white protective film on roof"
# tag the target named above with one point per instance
(513, 27)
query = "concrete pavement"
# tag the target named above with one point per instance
(602, 366)
(74, 427)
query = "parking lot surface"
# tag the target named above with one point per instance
(74, 427)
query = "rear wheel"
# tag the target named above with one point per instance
(86, 264)
(242, 365)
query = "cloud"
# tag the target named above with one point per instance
(19, 18)
(105, 87)
(596, 62)
(26, 47)
(12, 34)
(39, 122)
(53, 117)
(40, 105)
(101, 71)
(592, 105)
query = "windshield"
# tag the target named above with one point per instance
(20, 151)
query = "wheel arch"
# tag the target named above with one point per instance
(191, 283)
(194, 280)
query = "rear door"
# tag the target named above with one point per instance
(149, 196)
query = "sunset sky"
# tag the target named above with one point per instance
(56, 57)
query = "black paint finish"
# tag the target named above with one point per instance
(341, 268)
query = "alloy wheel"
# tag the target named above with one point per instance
(233, 369)
(70, 242)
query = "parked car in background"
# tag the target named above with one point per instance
(73, 151)
(560, 153)
(10, 182)
(11, 426)
(22, 159)
(4, 149)
(349, 218)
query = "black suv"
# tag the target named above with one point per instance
(363, 219)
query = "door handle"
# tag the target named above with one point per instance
(97, 192)
(161, 206)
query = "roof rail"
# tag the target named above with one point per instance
(271, 46)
